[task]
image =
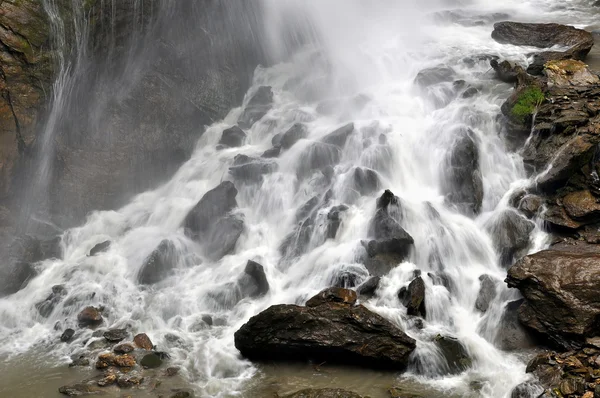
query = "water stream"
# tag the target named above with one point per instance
(358, 65)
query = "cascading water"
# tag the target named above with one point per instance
(357, 64)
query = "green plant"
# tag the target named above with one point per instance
(527, 103)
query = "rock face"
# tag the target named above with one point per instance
(463, 184)
(328, 331)
(159, 263)
(413, 297)
(392, 243)
(210, 223)
(544, 36)
(560, 290)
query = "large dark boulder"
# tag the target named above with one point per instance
(455, 354)
(510, 235)
(506, 71)
(413, 297)
(365, 181)
(487, 292)
(159, 264)
(259, 104)
(215, 204)
(295, 133)
(254, 280)
(232, 137)
(463, 184)
(512, 335)
(332, 331)
(561, 290)
(339, 136)
(578, 41)
(223, 237)
(251, 170)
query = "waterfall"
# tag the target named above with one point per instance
(332, 63)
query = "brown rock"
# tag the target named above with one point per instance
(569, 72)
(108, 379)
(581, 205)
(333, 295)
(124, 361)
(89, 316)
(561, 290)
(324, 393)
(109, 359)
(172, 371)
(128, 381)
(105, 360)
(124, 348)
(143, 341)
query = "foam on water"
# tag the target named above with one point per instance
(351, 48)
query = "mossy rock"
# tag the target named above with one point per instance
(527, 103)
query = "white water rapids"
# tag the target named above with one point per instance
(366, 48)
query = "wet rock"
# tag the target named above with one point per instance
(182, 393)
(318, 156)
(544, 36)
(369, 287)
(232, 137)
(334, 220)
(339, 137)
(510, 235)
(215, 204)
(46, 307)
(324, 393)
(115, 335)
(506, 71)
(75, 390)
(512, 335)
(470, 92)
(297, 132)
(569, 72)
(254, 281)
(347, 276)
(225, 234)
(463, 185)
(456, 355)
(89, 317)
(322, 332)
(79, 361)
(257, 107)
(249, 169)
(333, 295)
(582, 205)
(109, 359)
(143, 341)
(128, 381)
(365, 181)
(159, 264)
(487, 293)
(172, 371)
(430, 76)
(99, 248)
(413, 297)
(107, 380)
(67, 335)
(560, 290)
(526, 390)
(530, 205)
(151, 361)
(271, 153)
(124, 348)
(386, 199)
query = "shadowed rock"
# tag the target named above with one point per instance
(413, 297)
(430, 76)
(297, 132)
(369, 287)
(159, 264)
(257, 107)
(510, 235)
(324, 393)
(339, 137)
(100, 248)
(331, 331)
(454, 352)
(46, 307)
(487, 293)
(254, 281)
(232, 137)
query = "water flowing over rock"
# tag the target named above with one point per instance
(297, 132)
(254, 281)
(233, 137)
(464, 187)
(257, 107)
(487, 293)
(339, 137)
(560, 290)
(89, 317)
(331, 331)
(99, 248)
(512, 335)
(455, 354)
(435, 75)
(159, 263)
(510, 233)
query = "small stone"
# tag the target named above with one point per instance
(89, 316)
(143, 341)
(588, 394)
(182, 393)
(151, 361)
(67, 335)
(124, 348)
(207, 319)
(78, 389)
(172, 371)
(99, 248)
(81, 361)
(115, 335)
(129, 381)
(125, 361)
(107, 380)
(105, 360)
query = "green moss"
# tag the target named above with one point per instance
(527, 103)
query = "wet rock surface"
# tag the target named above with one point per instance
(159, 264)
(413, 297)
(232, 137)
(259, 104)
(560, 290)
(90, 317)
(323, 393)
(332, 331)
